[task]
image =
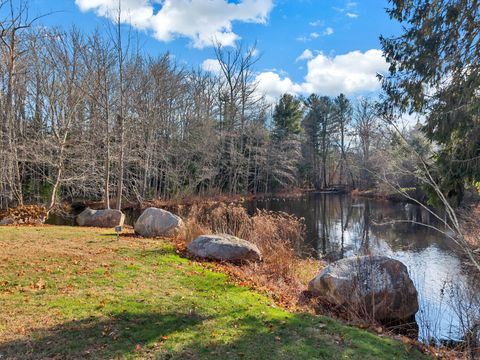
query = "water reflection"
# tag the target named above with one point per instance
(340, 226)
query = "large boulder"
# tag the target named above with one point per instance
(107, 218)
(224, 247)
(157, 222)
(376, 285)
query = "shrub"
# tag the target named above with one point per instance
(277, 235)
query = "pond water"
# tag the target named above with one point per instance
(339, 226)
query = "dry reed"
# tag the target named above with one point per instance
(282, 273)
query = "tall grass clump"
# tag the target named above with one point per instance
(278, 236)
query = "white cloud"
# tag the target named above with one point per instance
(351, 73)
(315, 35)
(328, 31)
(306, 55)
(302, 38)
(316, 23)
(253, 51)
(138, 13)
(212, 66)
(272, 86)
(199, 20)
(349, 10)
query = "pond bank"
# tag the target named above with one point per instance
(80, 293)
(288, 292)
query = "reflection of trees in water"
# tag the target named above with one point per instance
(405, 235)
(329, 224)
(365, 245)
(339, 226)
(332, 215)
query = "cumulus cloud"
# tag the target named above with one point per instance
(303, 38)
(272, 86)
(351, 73)
(212, 66)
(349, 9)
(315, 35)
(199, 20)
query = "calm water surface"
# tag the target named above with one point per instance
(339, 226)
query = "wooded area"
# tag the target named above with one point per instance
(90, 117)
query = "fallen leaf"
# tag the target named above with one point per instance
(40, 285)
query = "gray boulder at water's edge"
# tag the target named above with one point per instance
(101, 218)
(157, 222)
(224, 247)
(377, 285)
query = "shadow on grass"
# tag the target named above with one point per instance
(128, 335)
(299, 337)
(95, 338)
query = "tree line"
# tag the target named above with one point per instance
(89, 116)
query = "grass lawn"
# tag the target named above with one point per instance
(70, 292)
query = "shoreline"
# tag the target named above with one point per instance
(290, 297)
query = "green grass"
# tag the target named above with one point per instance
(79, 293)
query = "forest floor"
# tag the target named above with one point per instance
(70, 292)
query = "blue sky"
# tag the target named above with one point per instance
(323, 46)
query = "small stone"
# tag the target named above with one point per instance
(7, 221)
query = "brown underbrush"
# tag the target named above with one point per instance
(25, 214)
(278, 235)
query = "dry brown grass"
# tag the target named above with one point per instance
(278, 235)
